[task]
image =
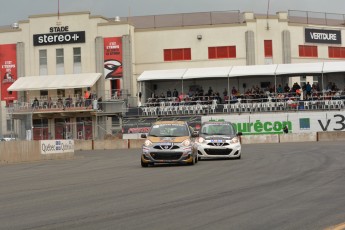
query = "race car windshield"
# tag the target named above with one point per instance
(218, 129)
(169, 131)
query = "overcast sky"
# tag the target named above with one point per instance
(15, 10)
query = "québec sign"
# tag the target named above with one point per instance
(57, 146)
(59, 38)
(322, 36)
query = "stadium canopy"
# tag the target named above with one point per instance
(66, 81)
(169, 74)
(333, 67)
(211, 72)
(253, 70)
(299, 68)
(294, 69)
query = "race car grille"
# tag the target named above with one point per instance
(166, 155)
(218, 151)
(218, 144)
(167, 147)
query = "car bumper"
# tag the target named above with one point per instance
(210, 152)
(184, 156)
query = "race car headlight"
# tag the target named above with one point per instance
(186, 142)
(235, 140)
(200, 139)
(147, 143)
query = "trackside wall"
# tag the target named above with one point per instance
(29, 151)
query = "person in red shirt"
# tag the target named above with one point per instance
(86, 98)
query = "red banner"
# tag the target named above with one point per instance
(8, 71)
(113, 57)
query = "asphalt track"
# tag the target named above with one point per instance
(273, 186)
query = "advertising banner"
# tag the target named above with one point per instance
(113, 58)
(322, 36)
(59, 38)
(297, 122)
(57, 146)
(8, 71)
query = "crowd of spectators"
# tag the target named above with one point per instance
(67, 102)
(255, 93)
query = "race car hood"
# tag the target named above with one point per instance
(218, 137)
(167, 139)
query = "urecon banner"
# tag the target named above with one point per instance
(57, 146)
(297, 122)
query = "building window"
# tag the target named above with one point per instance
(222, 52)
(44, 94)
(336, 52)
(43, 62)
(60, 69)
(78, 92)
(76, 60)
(268, 48)
(61, 93)
(9, 125)
(177, 54)
(308, 51)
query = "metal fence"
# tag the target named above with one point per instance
(316, 18)
(185, 19)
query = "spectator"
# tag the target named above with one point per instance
(280, 89)
(68, 101)
(168, 93)
(286, 88)
(86, 98)
(79, 101)
(201, 91)
(225, 92)
(234, 91)
(99, 102)
(49, 102)
(190, 93)
(35, 103)
(139, 95)
(285, 129)
(210, 91)
(59, 102)
(308, 89)
(175, 93)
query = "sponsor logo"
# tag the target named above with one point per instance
(57, 147)
(259, 127)
(59, 38)
(322, 36)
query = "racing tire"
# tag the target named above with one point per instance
(144, 165)
(193, 161)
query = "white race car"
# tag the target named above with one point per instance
(218, 140)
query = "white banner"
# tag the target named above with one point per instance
(57, 146)
(273, 123)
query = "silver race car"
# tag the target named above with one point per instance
(218, 140)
